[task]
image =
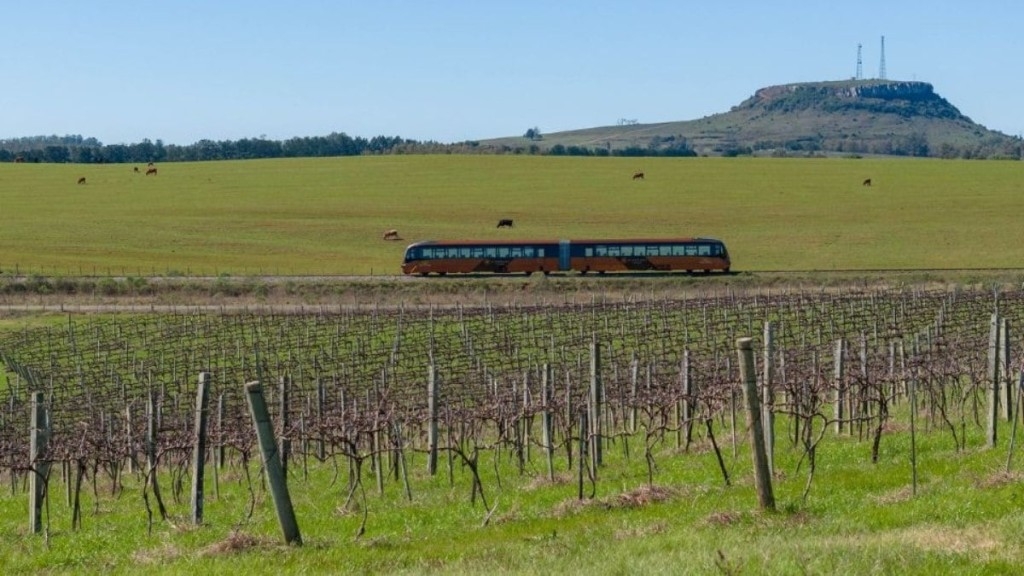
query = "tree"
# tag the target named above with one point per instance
(533, 134)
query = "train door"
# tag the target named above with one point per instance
(563, 255)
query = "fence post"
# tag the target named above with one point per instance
(272, 463)
(432, 432)
(840, 388)
(39, 437)
(1006, 391)
(547, 386)
(762, 474)
(992, 410)
(152, 428)
(768, 402)
(286, 445)
(199, 447)
(596, 397)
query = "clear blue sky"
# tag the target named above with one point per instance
(453, 70)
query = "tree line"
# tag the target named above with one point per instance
(80, 150)
(76, 149)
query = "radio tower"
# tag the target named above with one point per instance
(860, 65)
(881, 63)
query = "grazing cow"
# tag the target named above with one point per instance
(136, 169)
(151, 171)
(505, 223)
(391, 235)
(638, 176)
(867, 182)
(81, 180)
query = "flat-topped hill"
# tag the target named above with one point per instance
(844, 117)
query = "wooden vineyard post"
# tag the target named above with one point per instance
(432, 432)
(762, 474)
(152, 458)
(199, 447)
(286, 445)
(1006, 392)
(992, 395)
(839, 392)
(912, 399)
(634, 367)
(39, 437)
(547, 393)
(584, 426)
(596, 397)
(220, 452)
(768, 402)
(321, 400)
(272, 463)
(689, 398)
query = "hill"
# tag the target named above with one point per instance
(844, 117)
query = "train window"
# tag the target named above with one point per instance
(704, 250)
(453, 252)
(678, 250)
(716, 249)
(540, 252)
(464, 252)
(691, 250)
(517, 252)
(627, 250)
(613, 250)
(588, 252)
(528, 251)
(601, 250)
(502, 252)
(426, 253)
(665, 250)
(478, 252)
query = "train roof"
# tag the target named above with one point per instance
(527, 242)
(642, 240)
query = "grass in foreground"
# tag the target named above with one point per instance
(860, 518)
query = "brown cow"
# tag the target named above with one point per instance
(867, 182)
(391, 235)
(505, 223)
(151, 171)
(81, 180)
(638, 176)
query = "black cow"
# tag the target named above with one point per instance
(638, 176)
(505, 223)
(867, 182)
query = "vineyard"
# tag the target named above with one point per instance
(551, 387)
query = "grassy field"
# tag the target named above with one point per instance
(859, 519)
(326, 216)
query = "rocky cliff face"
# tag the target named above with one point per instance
(904, 98)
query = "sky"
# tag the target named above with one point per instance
(181, 71)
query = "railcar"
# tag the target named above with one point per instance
(583, 256)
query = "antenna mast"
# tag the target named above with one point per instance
(860, 65)
(881, 64)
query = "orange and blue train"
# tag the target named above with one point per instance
(583, 256)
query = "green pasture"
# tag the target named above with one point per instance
(326, 216)
(859, 518)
